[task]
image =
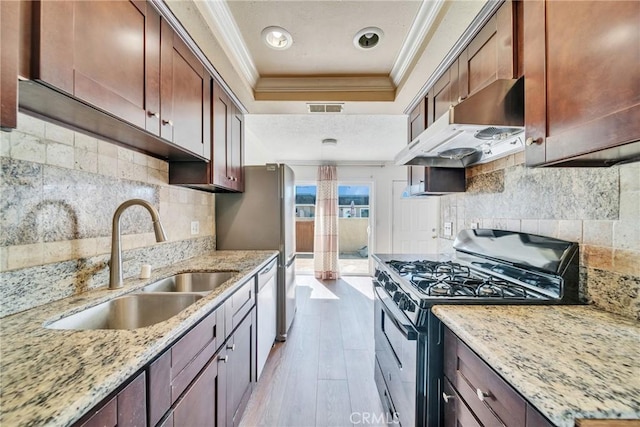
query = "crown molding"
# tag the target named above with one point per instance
(325, 88)
(425, 18)
(218, 16)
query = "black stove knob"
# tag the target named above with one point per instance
(397, 298)
(390, 286)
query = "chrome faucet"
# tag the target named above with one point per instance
(115, 265)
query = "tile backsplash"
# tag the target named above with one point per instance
(597, 207)
(60, 189)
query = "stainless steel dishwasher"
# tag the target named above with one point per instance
(266, 307)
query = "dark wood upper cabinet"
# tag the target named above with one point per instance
(228, 141)
(582, 82)
(9, 46)
(444, 93)
(224, 173)
(123, 79)
(417, 124)
(490, 55)
(119, 71)
(184, 96)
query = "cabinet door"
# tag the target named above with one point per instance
(203, 402)
(184, 95)
(123, 79)
(126, 409)
(241, 349)
(235, 149)
(418, 120)
(444, 93)
(490, 55)
(417, 124)
(9, 30)
(582, 79)
(222, 109)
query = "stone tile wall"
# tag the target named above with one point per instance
(597, 207)
(59, 190)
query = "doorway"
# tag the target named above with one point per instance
(354, 230)
(415, 220)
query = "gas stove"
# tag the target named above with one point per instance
(488, 267)
(537, 270)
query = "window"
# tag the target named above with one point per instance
(305, 201)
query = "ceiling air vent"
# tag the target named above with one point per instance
(325, 108)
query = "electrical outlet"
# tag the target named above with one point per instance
(448, 227)
(475, 225)
(195, 227)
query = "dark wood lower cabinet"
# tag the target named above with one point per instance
(201, 404)
(241, 353)
(475, 395)
(456, 412)
(126, 409)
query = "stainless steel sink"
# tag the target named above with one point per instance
(191, 282)
(128, 312)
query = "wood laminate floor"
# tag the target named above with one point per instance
(323, 374)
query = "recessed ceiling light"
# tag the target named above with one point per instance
(277, 38)
(368, 38)
(330, 142)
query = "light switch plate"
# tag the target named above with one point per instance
(448, 227)
(195, 227)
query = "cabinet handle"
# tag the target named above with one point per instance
(167, 122)
(531, 141)
(223, 359)
(231, 347)
(446, 397)
(482, 395)
(152, 114)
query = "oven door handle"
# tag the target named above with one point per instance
(395, 315)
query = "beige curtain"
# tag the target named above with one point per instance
(325, 244)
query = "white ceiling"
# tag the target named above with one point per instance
(418, 36)
(296, 139)
(323, 33)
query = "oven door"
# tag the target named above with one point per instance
(396, 355)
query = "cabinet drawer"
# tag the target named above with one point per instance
(239, 304)
(173, 371)
(492, 400)
(456, 412)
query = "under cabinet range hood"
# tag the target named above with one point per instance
(484, 127)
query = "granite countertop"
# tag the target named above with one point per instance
(570, 362)
(53, 377)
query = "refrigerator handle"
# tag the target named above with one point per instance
(290, 261)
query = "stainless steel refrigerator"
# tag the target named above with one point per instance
(263, 217)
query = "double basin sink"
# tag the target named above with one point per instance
(154, 303)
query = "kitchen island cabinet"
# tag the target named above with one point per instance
(582, 82)
(571, 365)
